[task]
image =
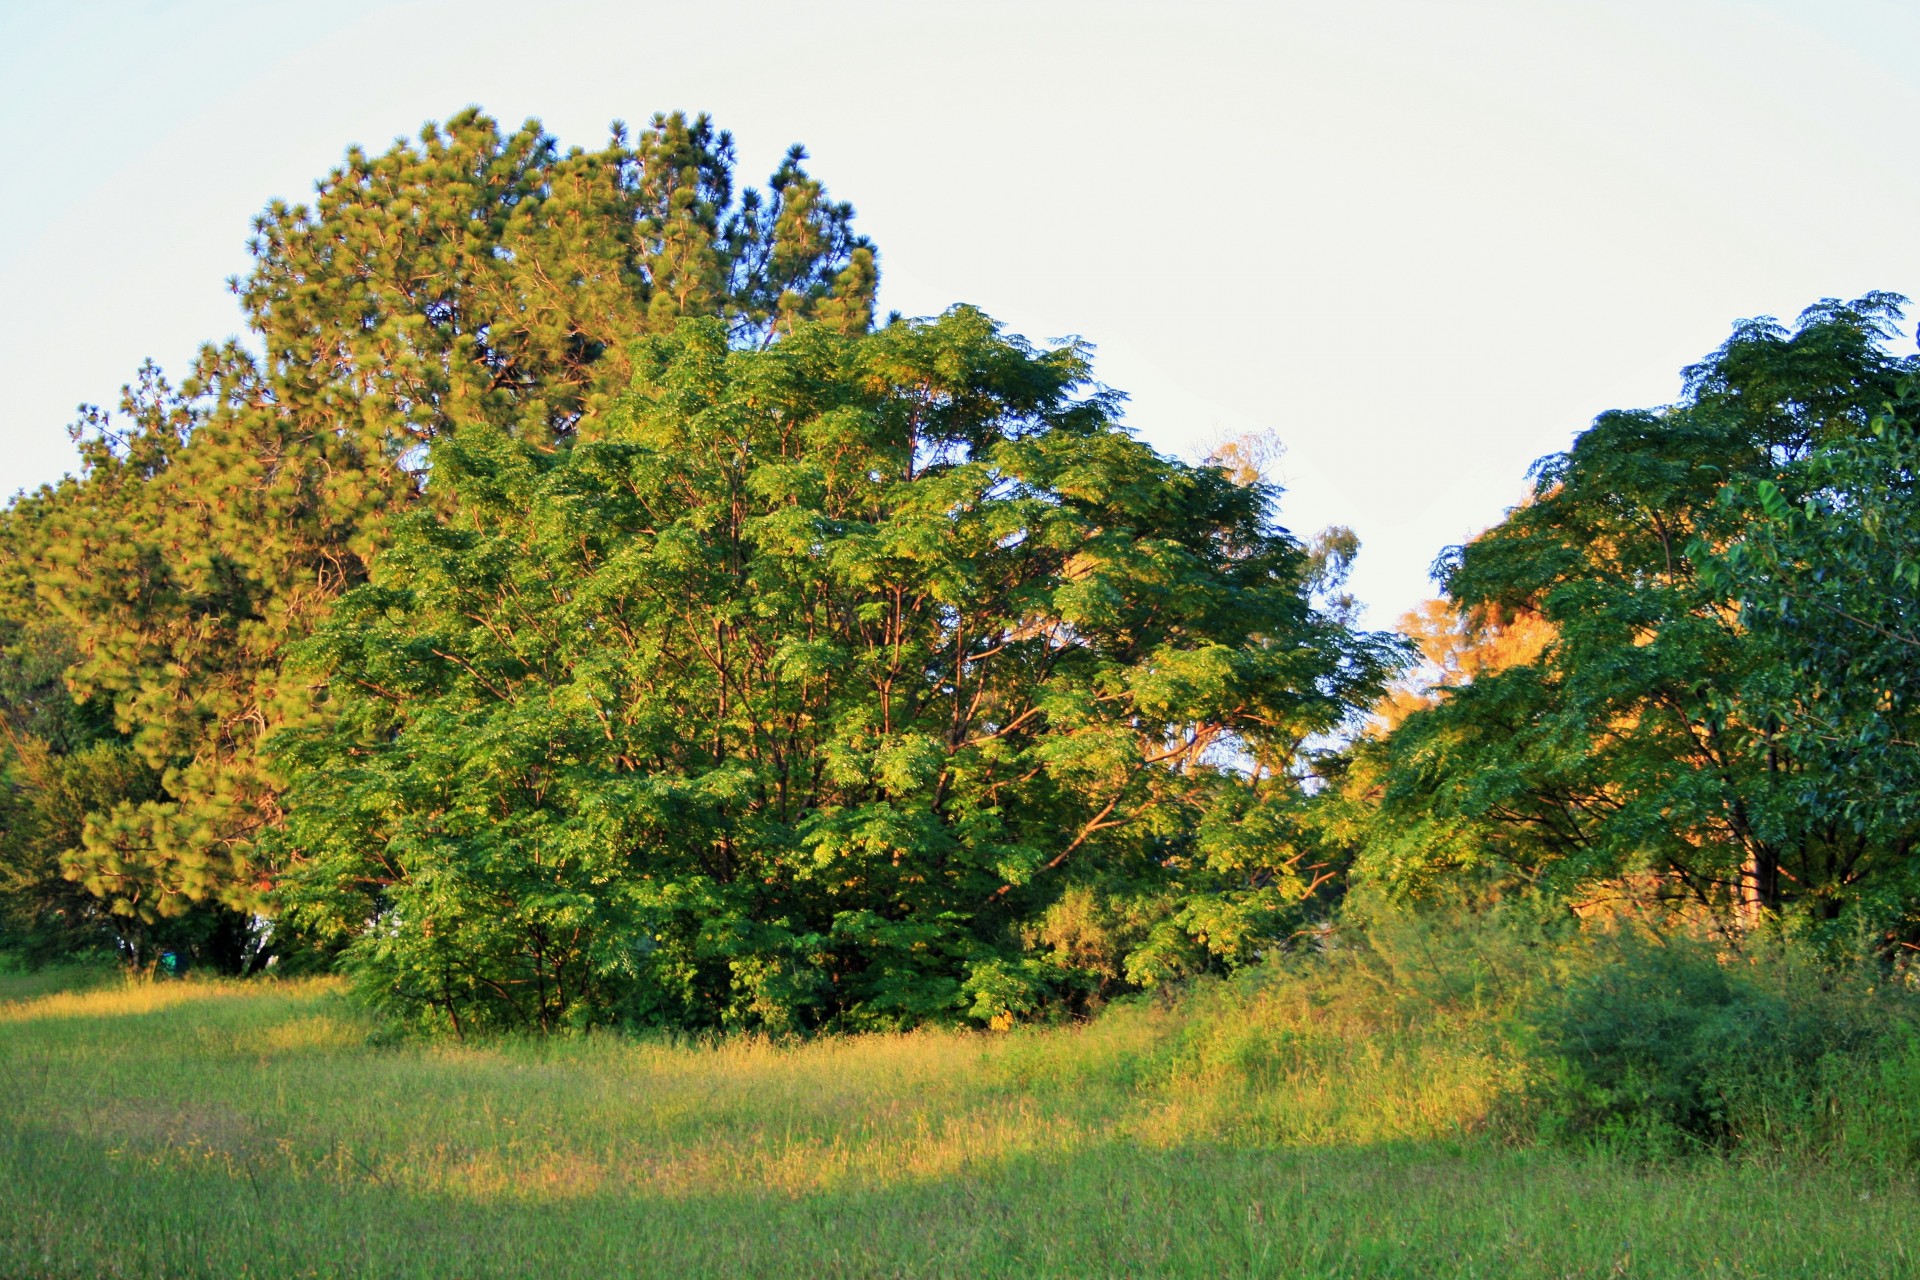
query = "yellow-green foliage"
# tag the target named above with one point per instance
(1325, 1118)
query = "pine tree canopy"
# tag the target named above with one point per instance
(470, 279)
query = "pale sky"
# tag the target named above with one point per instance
(1424, 243)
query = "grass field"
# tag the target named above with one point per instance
(218, 1129)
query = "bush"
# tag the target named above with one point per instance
(1660, 1045)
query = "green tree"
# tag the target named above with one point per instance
(473, 280)
(59, 760)
(1643, 747)
(1826, 575)
(854, 681)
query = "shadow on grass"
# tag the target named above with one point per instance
(21, 985)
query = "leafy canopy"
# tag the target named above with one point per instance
(1698, 636)
(853, 681)
(1826, 576)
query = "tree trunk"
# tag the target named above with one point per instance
(1759, 885)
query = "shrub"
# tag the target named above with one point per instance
(1663, 1044)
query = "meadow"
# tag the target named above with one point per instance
(1266, 1128)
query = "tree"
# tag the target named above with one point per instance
(474, 280)
(59, 760)
(1637, 748)
(853, 681)
(1826, 576)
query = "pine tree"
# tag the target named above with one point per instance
(472, 279)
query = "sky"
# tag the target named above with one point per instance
(1424, 244)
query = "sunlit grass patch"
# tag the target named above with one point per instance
(132, 997)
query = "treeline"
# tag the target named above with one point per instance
(572, 607)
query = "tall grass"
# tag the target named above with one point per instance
(1358, 1113)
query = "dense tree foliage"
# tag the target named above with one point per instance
(1826, 573)
(474, 279)
(1700, 723)
(569, 608)
(853, 681)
